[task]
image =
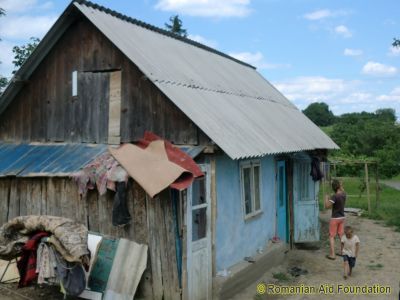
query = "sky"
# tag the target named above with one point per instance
(338, 52)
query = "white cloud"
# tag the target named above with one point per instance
(314, 88)
(6, 58)
(207, 8)
(257, 59)
(13, 6)
(358, 98)
(389, 22)
(378, 69)
(393, 96)
(338, 93)
(342, 96)
(352, 52)
(202, 40)
(21, 6)
(323, 14)
(343, 31)
(46, 5)
(17, 28)
(394, 51)
(318, 14)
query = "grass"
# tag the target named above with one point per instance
(397, 178)
(375, 267)
(281, 276)
(386, 210)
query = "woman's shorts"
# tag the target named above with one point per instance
(336, 226)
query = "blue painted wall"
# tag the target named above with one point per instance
(235, 237)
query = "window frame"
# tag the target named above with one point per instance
(303, 181)
(251, 164)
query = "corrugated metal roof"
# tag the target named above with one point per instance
(231, 102)
(228, 99)
(192, 151)
(34, 160)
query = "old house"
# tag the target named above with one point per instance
(99, 77)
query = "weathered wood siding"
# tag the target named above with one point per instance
(45, 109)
(152, 222)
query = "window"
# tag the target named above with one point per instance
(74, 83)
(199, 209)
(304, 181)
(250, 177)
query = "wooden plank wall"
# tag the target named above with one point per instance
(152, 222)
(45, 110)
(114, 116)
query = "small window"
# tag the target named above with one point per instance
(250, 176)
(199, 209)
(74, 83)
(304, 180)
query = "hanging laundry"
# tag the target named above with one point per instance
(316, 172)
(176, 156)
(156, 164)
(71, 235)
(71, 275)
(27, 263)
(46, 264)
(102, 173)
(120, 211)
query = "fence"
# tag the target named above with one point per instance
(330, 171)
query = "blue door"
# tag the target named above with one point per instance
(306, 208)
(281, 201)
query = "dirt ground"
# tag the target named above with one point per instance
(10, 292)
(378, 263)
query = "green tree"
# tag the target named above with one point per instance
(386, 114)
(175, 26)
(21, 53)
(396, 43)
(369, 136)
(320, 114)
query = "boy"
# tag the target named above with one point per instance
(349, 249)
(336, 224)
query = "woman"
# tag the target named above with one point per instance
(336, 224)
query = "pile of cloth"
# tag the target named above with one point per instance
(152, 162)
(49, 250)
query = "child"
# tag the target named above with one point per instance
(349, 249)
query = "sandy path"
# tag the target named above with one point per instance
(392, 183)
(378, 263)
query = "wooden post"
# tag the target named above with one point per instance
(213, 214)
(367, 186)
(377, 185)
(334, 169)
(323, 182)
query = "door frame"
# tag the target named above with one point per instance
(278, 162)
(205, 168)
